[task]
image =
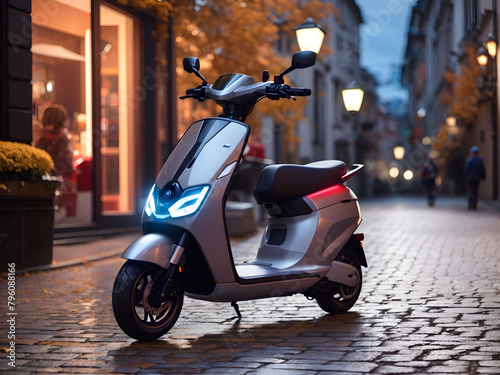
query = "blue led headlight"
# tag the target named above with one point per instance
(189, 201)
(150, 202)
(176, 203)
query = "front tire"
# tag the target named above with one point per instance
(343, 297)
(138, 311)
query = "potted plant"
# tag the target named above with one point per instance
(26, 205)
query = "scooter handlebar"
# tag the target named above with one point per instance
(277, 91)
(196, 93)
(298, 91)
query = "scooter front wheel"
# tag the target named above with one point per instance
(138, 309)
(343, 297)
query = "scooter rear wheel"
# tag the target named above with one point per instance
(137, 309)
(343, 297)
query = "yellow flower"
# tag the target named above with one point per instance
(21, 160)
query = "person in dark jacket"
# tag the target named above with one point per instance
(474, 173)
(429, 174)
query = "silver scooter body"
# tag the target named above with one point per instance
(296, 251)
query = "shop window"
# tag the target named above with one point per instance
(62, 74)
(61, 47)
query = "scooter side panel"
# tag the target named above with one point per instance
(153, 248)
(339, 222)
(232, 291)
(299, 235)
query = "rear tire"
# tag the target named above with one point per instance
(134, 292)
(343, 297)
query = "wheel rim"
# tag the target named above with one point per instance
(150, 312)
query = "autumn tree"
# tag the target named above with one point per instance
(462, 96)
(235, 37)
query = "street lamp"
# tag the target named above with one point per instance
(310, 36)
(353, 97)
(484, 53)
(399, 152)
(451, 121)
(482, 56)
(491, 45)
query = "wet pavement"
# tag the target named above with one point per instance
(430, 304)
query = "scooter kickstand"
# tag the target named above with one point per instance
(236, 308)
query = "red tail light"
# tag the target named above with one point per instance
(360, 236)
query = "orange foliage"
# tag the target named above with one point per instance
(462, 97)
(232, 36)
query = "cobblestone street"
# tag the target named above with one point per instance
(430, 304)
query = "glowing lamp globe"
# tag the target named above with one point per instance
(310, 36)
(353, 97)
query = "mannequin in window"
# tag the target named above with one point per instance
(56, 140)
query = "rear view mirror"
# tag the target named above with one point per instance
(191, 64)
(303, 59)
(300, 60)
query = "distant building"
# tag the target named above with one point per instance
(449, 104)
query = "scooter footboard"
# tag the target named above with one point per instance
(153, 248)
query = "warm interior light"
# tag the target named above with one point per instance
(353, 97)
(399, 152)
(310, 36)
(86, 136)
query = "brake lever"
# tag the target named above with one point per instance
(287, 95)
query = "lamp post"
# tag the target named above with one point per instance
(352, 96)
(484, 54)
(310, 36)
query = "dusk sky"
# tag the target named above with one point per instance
(383, 42)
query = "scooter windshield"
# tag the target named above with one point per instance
(206, 149)
(226, 80)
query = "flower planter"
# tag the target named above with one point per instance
(26, 222)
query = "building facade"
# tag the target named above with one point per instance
(97, 59)
(451, 104)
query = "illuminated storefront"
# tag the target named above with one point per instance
(96, 58)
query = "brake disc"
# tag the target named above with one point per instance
(145, 300)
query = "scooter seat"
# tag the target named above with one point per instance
(282, 182)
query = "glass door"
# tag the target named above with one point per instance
(118, 77)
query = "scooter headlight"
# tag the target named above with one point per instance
(150, 202)
(189, 202)
(160, 205)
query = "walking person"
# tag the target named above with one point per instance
(429, 174)
(474, 173)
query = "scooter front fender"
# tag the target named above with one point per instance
(152, 247)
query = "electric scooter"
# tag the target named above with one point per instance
(308, 246)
